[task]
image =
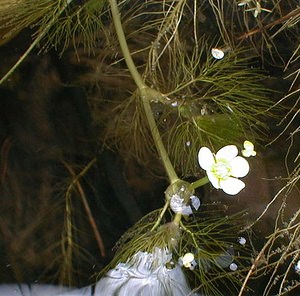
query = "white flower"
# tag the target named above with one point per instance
(217, 53)
(249, 149)
(224, 168)
(297, 267)
(188, 261)
(242, 241)
(233, 266)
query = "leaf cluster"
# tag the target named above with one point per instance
(59, 22)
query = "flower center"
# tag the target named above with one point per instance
(221, 169)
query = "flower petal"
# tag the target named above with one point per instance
(248, 153)
(178, 205)
(232, 186)
(248, 145)
(213, 179)
(193, 265)
(242, 241)
(239, 167)
(186, 211)
(228, 152)
(249, 149)
(233, 266)
(187, 259)
(195, 201)
(205, 158)
(217, 53)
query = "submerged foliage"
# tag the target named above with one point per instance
(208, 102)
(211, 237)
(59, 22)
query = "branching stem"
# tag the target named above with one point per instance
(162, 213)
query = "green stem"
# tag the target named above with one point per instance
(124, 47)
(147, 93)
(162, 213)
(200, 182)
(158, 141)
(177, 219)
(190, 233)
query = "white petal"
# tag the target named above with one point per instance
(249, 149)
(233, 266)
(242, 240)
(195, 201)
(205, 158)
(213, 179)
(186, 210)
(177, 203)
(232, 186)
(188, 258)
(193, 265)
(248, 145)
(217, 53)
(228, 152)
(297, 266)
(247, 153)
(240, 167)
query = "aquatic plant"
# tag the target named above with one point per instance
(189, 93)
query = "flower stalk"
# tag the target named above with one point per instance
(199, 183)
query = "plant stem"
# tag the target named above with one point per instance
(177, 219)
(200, 182)
(190, 233)
(158, 141)
(124, 47)
(290, 15)
(147, 94)
(162, 213)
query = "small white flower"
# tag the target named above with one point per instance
(224, 168)
(233, 266)
(195, 201)
(188, 261)
(249, 149)
(217, 53)
(242, 241)
(297, 267)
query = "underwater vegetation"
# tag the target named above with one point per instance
(151, 140)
